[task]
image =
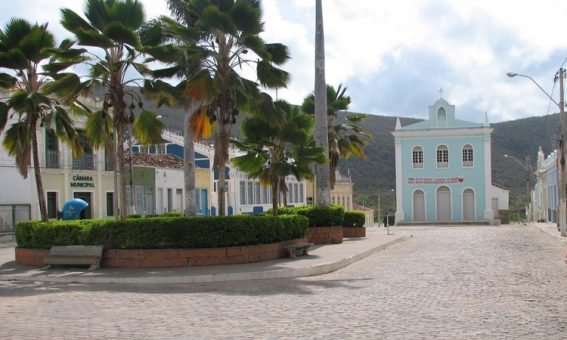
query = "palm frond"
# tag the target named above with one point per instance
(147, 128)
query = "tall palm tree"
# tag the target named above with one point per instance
(228, 33)
(24, 50)
(178, 53)
(322, 173)
(345, 138)
(277, 150)
(113, 26)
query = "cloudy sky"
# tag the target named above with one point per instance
(395, 55)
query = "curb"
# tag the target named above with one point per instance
(287, 273)
(561, 240)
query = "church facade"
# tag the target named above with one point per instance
(443, 170)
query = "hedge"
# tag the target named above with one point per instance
(318, 216)
(354, 219)
(162, 232)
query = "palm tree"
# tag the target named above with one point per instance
(114, 27)
(275, 150)
(228, 38)
(346, 139)
(24, 49)
(322, 173)
(177, 52)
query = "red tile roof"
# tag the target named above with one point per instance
(156, 160)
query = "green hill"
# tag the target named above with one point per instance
(518, 138)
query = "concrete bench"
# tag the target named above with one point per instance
(298, 249)
(75, 255)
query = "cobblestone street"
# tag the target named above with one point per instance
(457, 283)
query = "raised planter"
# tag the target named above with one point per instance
(354, 232)
(325, 235)
(160, 258)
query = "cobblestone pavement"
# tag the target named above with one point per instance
(451, 283)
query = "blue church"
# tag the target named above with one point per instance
(443, 170)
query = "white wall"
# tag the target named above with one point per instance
(169, 179)
(502, 195)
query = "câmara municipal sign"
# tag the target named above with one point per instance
(79, 181)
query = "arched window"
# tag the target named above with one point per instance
(441, 117)
(442, 156)
(468, 158)
(417, 157)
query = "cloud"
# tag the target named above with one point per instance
(395, 55)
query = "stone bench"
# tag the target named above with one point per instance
(74, 255)
(298, 249)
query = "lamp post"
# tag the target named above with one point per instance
(527, 166)
(379, 200)
(562, 180)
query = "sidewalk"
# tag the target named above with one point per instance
(322, 259)
(550, 229)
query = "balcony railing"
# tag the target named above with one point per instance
(108, 164)
(85, 162)
(52, 159)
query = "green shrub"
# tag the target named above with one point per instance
(163, 232)
(318, 216)
(172, 214)
(354, 219)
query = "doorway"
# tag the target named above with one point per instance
(85, 196)
(468, 205)
(443, 204)
(418, 205)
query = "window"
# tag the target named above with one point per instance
(301, 193)
(442, 156)
(51, 149)
(242, 192)
(52, 204)
(250, 192)
(417, 157)
(468, 159)
(257, 193)
(109, 204)
(140, 197)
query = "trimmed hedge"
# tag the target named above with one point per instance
(163, 232)
(354, 219)
(318, 216)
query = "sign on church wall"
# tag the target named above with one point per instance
(429, 180)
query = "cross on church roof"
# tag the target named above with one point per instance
(441, 93)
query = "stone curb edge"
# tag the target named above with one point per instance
(560, 239)
(272, 274)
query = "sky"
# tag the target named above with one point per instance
(395, 56)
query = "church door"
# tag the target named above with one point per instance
(418, 206)
(468, 205)
(443, 204)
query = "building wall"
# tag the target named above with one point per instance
(443, 129)
(455, 176)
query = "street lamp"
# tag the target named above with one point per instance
(527, 166)
(379, 200)
(562, 180)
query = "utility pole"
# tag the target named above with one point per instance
(562, 184)
(528, 196)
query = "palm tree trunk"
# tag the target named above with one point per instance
(38, 179)
(121, 172)
(322, 173)
(221, 157)
(189, 164)
(275, 193)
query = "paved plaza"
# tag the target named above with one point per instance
(504, 282)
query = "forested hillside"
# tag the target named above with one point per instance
(518, 138)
